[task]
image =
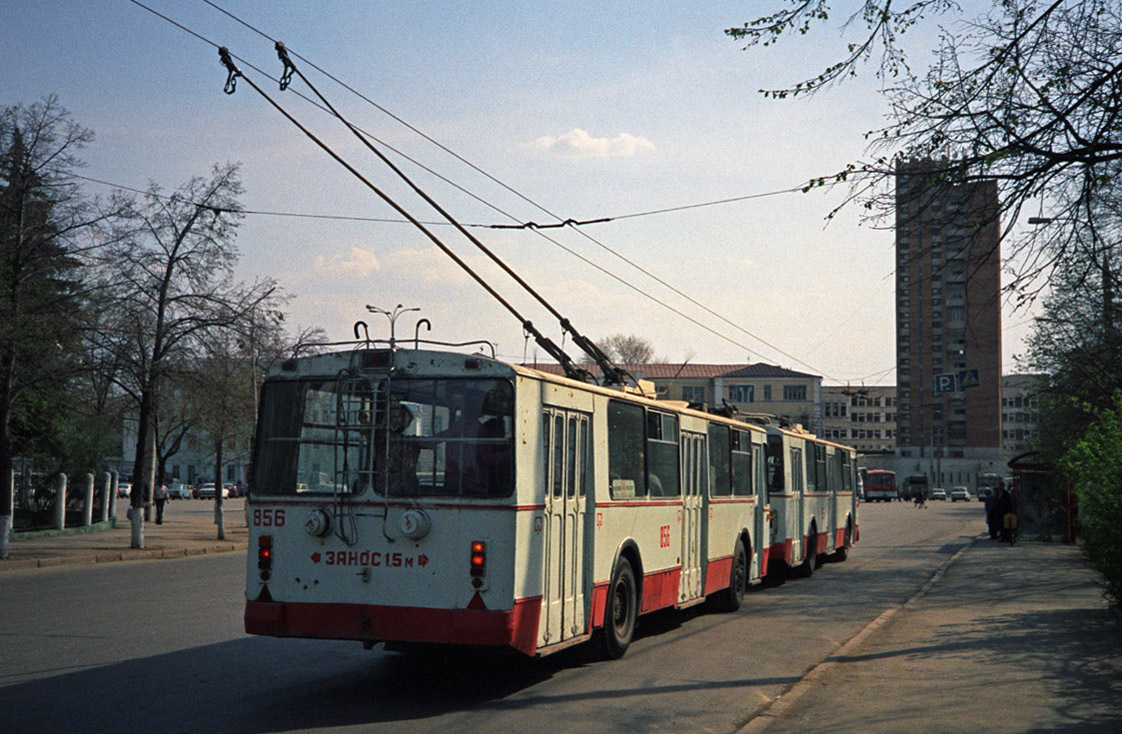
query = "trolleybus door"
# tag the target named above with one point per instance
(833, 479)
(761, 525)
(695, 462)
(567, 454)
(796, 525)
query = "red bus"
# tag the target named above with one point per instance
(880, 485)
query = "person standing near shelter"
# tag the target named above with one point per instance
(993, 520)
(161, 498)
(1003, 508)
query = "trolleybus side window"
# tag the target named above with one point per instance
(662, 455)
(720, 467)
(742, 464)
(797, 470)
(775, 463)
(626, 450)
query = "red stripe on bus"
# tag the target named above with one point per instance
(516, 627)
(717, 574)
(660, 589)
(599, 605)
(781, 552)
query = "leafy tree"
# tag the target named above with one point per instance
(1094, 464)
(45, 226)
(1077, 342)
(1028, 96)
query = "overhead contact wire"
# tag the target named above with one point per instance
(611, 373)
(562, 222)
(231, 81)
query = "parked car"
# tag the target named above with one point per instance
(960, 493)
(939, 494)
(206, 491)
(124, 489)
(179, 492)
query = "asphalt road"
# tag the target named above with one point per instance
(158, 646)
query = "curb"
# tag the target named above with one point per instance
(97, 527)
(779, 705)
(132, 554)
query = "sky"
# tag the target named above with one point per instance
(587, 111)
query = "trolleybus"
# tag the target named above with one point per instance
(428, 496)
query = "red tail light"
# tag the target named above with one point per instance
(478, 562)
(264, 554)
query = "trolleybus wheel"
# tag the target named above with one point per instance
(730, 599)
(810, 557)
(621, 611)
(842, 553)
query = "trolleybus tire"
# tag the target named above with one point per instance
(730, 599)
(842, 553)
(810, 558)
(621, 611)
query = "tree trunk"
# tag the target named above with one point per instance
(219, 519)
(142, 470)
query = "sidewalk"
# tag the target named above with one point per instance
(1001, 639)
(188, 530)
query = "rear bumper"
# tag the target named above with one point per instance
(516, 628)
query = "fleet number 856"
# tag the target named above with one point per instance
(268, 518)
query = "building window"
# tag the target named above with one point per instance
(767, 392)
(693, 393)
(742, 393)
(794, 392)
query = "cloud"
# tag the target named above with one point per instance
(358, 262)
(579, 144)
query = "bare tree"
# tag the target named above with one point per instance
(627, 349)
(175, 263)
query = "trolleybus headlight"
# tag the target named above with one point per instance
(318, 523)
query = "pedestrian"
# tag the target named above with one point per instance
(921, 498)
(993, 520)
(1003, 513)
(161, 499)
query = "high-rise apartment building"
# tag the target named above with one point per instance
(948, 315)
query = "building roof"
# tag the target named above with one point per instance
(658, 371)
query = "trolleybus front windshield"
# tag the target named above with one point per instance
(438, 437)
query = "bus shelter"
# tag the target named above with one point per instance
(1045, 508)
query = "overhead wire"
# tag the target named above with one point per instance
(571, 368)
(584, 259)
(563, 222)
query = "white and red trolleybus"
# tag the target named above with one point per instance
(813, 499)
(880, 485)
(416, 496)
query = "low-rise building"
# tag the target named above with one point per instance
(749, 388)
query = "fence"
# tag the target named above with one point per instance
(52, 502)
